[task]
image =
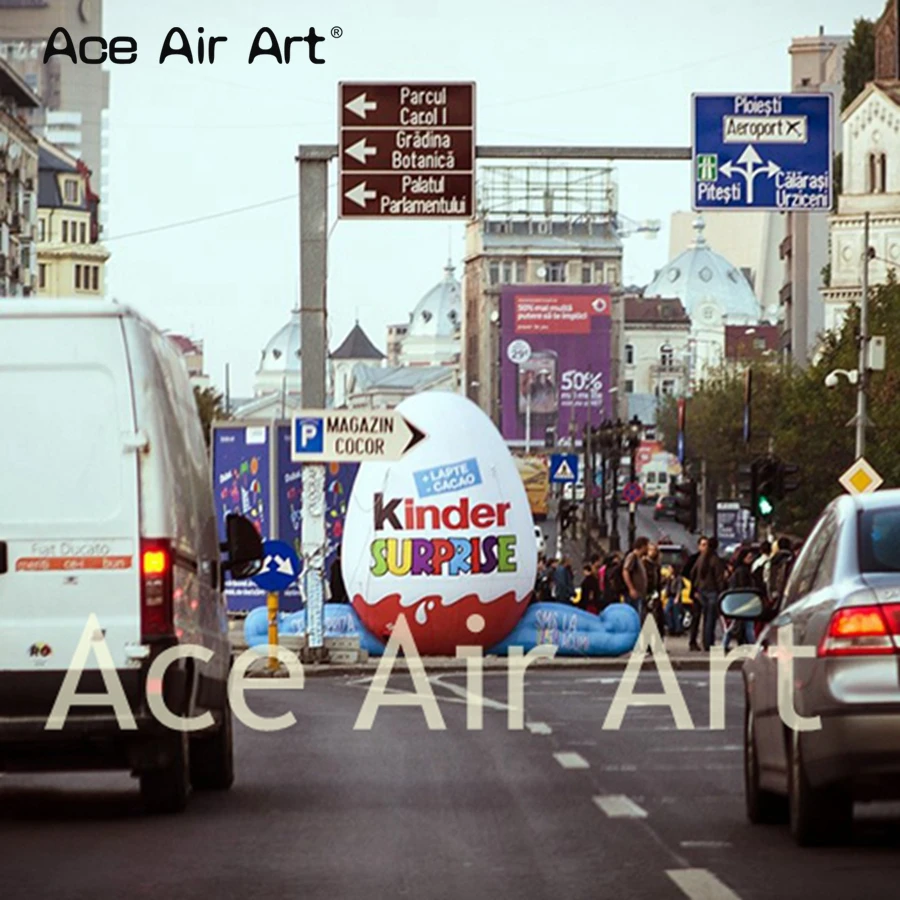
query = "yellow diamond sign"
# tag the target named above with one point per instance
(861, 478)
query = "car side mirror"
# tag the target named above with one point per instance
(745, 604)
(243, 547)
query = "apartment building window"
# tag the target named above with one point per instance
(506, 271)
(612, 273)
(95, 278)
(629, 386)
(70, 190)
(82, 228)
(599, 273)
(42, 275)
(666, 356)
(587, 273)
(668, 388)
(629, 354)
(65, 231)
(77, 278)
(42, 230)
(555, 271)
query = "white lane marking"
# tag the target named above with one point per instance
(622, 768)
(705, 845)
(722, 748)
(701, 884)
(539, 728)
(460, 691)
(618, 806)
(571, 760)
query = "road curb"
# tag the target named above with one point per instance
(619, 664)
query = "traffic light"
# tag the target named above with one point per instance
(747, 483)
(766, 492)
(788, 479)
(686, 504)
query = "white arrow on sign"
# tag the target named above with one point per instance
(360, 151)
(360, 105)
(750, 158)
(358, 436)
(360, 195)
(285, 566)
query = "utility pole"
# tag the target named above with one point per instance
(861, 412)
(703, 487)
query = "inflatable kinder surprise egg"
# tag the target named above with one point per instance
(444, 536)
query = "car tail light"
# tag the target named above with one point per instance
(870, 630)
(156, 590)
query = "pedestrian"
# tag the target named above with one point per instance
(708, 577)
(564, 581)
(634, 573)
(590, 590)
(760, 569)
(611, 583)
(654, 586)
(675, 588)
(549, 594)
(539, 580)
(336, 581)
(779, 571)
(742, 577)
(695, 594)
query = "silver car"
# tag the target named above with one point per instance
(843, 601)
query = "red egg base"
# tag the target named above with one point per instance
(446, 628)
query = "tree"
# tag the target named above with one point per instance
(859, 61)
(805, 421)
(210, 408)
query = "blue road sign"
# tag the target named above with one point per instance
(762, 151)
(309, 434)
(280, 568)
(563, 468)
(632, 492)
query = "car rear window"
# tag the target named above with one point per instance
(879, 540)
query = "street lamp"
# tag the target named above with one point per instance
(832, 380)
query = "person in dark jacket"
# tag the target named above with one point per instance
(688, 572)
(565, 582)
(708, 576)
(742, 577)
(336, 581)
(590, 591)
(780, 570)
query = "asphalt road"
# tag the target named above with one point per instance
(563, 809)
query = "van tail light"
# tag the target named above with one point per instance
(871, 630)
(157, 619)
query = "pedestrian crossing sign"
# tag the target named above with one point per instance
(564, 468)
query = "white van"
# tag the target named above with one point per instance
(106, 509)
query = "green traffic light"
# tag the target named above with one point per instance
(765, 507)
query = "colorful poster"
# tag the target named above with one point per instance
(555, 359)
(241, 480)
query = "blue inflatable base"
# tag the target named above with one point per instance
(572, 631)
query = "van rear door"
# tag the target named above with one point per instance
(68, 490)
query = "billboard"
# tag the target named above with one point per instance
(555, 359)
(242, 485)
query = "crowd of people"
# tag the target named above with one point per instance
(683, 598)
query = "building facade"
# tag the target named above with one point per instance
(534, 225)
(191, 352)
(355, 349)
(18, 187)
(871, 183)
(71, 259)
(75, 97)
(657, 353)
(817, 65)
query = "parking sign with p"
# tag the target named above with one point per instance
(308, 435)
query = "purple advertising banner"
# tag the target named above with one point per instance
(241, 485)
(555, 359)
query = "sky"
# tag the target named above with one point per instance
(193, 141)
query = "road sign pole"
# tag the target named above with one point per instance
(528, 422)
(272, 604)
(862, 376)
(313, 166)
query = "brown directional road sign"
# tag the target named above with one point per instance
(407, 150)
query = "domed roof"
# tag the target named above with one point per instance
(282, 353)
(698, 274)
(439, 313)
